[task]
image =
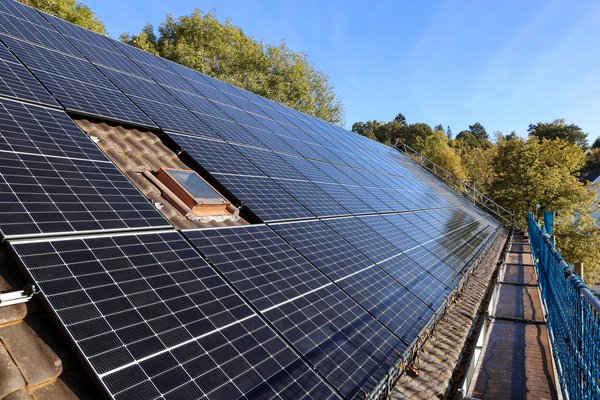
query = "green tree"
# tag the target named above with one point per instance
(400, 118)
(558, 129)
(591, 169)
(479, 131)
(222, 50)
(449, 132)
(512, 136)
(369, 129)
(531, 172)
(475, 136)
(436, 148)
(477, 164)
(414, 135)
(596, 144)
(578, 239)
(70, 10)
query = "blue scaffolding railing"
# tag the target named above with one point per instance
(573, 318)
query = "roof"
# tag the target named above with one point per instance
(135, 150)
(35, 360)
(346, 254)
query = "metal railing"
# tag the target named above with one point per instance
(469, 191)
(573, 318)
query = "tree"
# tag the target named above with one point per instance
(512, 136)
(414, 135)
(400, 118)
(558, 129)
(578, 239)
(475, 136)
(531, 172)
(479, 131)
(368, 129)
(439, 127)
(222, 50)
(436, 148)
(591, 169)
(449, 132)
(477, 164)
(70, 10)
(596, 144)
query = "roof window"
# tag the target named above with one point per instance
(193, 196)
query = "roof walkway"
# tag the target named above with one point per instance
(516, 362)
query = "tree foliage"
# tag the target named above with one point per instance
(558, 129)
(436, 148)
(530, 172)
(222, 50)
(578, 239)
(70, 10)
(596, 144)
(591, 169)
(475, 136)
(477, 164)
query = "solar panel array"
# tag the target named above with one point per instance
(355, 251)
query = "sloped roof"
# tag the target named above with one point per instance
(351, 253)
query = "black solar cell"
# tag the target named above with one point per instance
(37, 130)
(342, 341)
(263, 196)
(17, 82)
(154, 319)
(77, 84)
(22, 11)
(42, 195)
(216, 156)
(38, 33)
(314, 199)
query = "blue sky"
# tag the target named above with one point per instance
(504, 64)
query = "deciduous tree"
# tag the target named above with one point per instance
(222, 50)
(531, 172)
(558, 129)
(578, 239)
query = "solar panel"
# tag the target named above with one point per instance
(211, 93)
(37, 130)
(158, 104)
(21, 11)
(392, 303)
(43, 195)
(153, 319)
(75, 32)
(77, 84)
(229, 130)
(216, 156)
(416, 277)
(264, 197)
(337, 336)
(38, 33)
(346, 196)
(363, 237)
(17, 82)
(163, 75)
(272, 141)
(270, 163)
(108, 57)
(314, 199)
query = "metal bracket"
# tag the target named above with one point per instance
(18, 296)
